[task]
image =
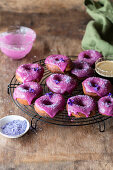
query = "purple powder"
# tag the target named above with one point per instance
(49, 94)
(14, 128)
(31, 90)
(71, 101)
(110, 95)
(57, 82)
(96, 87)
(36, 69)
(62, 60)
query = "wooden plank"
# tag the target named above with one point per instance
(40, 6)
(58, 31)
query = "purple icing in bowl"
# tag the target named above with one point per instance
(17, 43)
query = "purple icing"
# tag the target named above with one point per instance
(27, 91)
(97, 85)
(58, 60)
(51, 105)
(60, 83)
(15, 127)
(82, 69)
(105, 105)
(81, 104)
(89, 56)
(30, 72)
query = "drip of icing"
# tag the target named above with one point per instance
(27, 91)
(30, 72)
(51, 105)
(104, 86)
(105, 105)
(58, 60)
(81, 103)
(60, 83)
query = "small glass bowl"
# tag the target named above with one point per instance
(10, 118)
(104, 67)
(17, 42)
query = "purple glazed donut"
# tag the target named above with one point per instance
(49, 104)
(29, 72)
(60, 83)
(58, 63)
(89, 56)
(27, 92)
(81, 69)
(95, 86)
(81, 106)
(105, 105)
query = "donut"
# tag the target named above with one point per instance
(58, 63)
(96, 87)
(27, 92)
(49, 104)
(81, 69)
(105, 105)
(89, 56)
(60, 83)
(29, 72)
(81, 106)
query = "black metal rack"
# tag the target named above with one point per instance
(62, 118)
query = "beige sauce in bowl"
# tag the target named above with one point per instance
(104, 68)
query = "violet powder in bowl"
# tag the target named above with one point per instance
(14, 128)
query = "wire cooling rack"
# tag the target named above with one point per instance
(62, 118)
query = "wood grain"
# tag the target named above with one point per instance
(45, 6)
(60, 26)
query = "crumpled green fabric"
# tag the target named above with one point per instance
(99, 32)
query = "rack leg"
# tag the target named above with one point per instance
(102, 126)
(34, 124)
(8, 89)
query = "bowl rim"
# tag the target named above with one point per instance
(18, 116)
(101, 71)
(22, 30)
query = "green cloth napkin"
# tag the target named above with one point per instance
(99, 32)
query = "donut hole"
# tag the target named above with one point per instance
(57, 78)
(108, 101)
(79, 66)
(87, 56)
(26, 67)
(56, 59)
(94, 84)
(79, 103)
(47, 102)
(25, 87)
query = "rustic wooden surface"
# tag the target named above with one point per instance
(60, 26)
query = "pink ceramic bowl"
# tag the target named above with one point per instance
(17, 42)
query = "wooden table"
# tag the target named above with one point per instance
(59, 27)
